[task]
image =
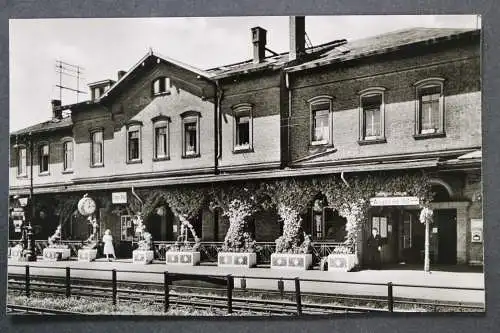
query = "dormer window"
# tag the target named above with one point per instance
(321, 120)
(161, 86)
(97, 92)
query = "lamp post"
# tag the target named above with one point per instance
(29, 252)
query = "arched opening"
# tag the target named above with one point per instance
(323, 222)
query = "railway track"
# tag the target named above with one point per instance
(201, 297)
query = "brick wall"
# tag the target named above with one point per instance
(459, 67)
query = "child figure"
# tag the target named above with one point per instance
(108, 245)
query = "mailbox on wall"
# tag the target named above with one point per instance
(476, 229)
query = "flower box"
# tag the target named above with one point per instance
(187, 258)
(142, 256)
(87, 254)
(56, 254)
(342, 262)
(235, 259)
(300, 261)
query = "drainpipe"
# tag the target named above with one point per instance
(343, 179)
(137, 197)
(287, 85)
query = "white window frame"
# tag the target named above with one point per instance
(156, 90)
(161, 122)
(318, 100)
(134, 127)
(65, 166)
(19, 148)
(40, 146)
(366, 93)
(425, 84)
(92, 157)
(187, 118)
(242, 110)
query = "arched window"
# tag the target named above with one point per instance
(190, 134)
(161, 138)
(160, 86)
(68, 154)
(43, 158)
(321, 132)
(372, 115)
(429, 114)
(97, 148)
(134, 142)
(242, 128)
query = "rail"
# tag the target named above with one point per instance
(68, 287)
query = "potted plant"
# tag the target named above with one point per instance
(143, 254)
(184, 252)
(56, 251)
(343, 258)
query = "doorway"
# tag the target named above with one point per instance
(445, 221)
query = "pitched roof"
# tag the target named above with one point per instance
(46, 126)
(382, 44)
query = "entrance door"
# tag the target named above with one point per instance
(446, 222)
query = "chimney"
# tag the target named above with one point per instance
(121, 74)
(259, 44)
(297, 37)
(56, 109)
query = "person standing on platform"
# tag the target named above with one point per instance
(374, 247)
(108, 245)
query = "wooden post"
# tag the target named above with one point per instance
(166, 287)
(68, 282)
(298, 296)
(113, 276)
(27, 281)
(281, 287)
(390, 297)
(230, 283)
(427, 245)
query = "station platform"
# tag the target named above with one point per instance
(345, 283)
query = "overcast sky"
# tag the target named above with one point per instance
(104, 46)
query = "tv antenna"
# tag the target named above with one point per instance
(66, 69)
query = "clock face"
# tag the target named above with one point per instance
(86, 206)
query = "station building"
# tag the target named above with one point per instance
(402, 102)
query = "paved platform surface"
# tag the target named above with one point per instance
(266, 278)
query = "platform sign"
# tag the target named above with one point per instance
(119, 197)
(394, 201)
(476, 228)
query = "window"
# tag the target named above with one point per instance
(68, 155)
(134, 142)
(161, 142)
(98, 92)
(190, 134)
(429, 107)
(321, 120)
(161, 86)
(97, 149)
(43, 154)
(372, 115)
(243, 129)
(21, 161)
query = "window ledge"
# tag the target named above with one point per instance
(67, 171)
(134, 161)
(158, 159)
(421, 136)
(165, 93)
(371, 141)
(22, 176)
(242, 150)
(45, 173)
(314, 145)
(191, 156)
(101, 165)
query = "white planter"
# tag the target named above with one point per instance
(182, 258)
(87, 254)
(342, 262)
(15, 253)
(301, 261)
(234, 259)
(142, 256)
(56, 254)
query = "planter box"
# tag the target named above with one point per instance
(142, 257)
(87, 254)
(182, 258)
(56, 254)
(291, 261)
(342, 262)
(234, 259)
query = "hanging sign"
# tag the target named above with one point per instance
(394, 201)
(119, 197)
